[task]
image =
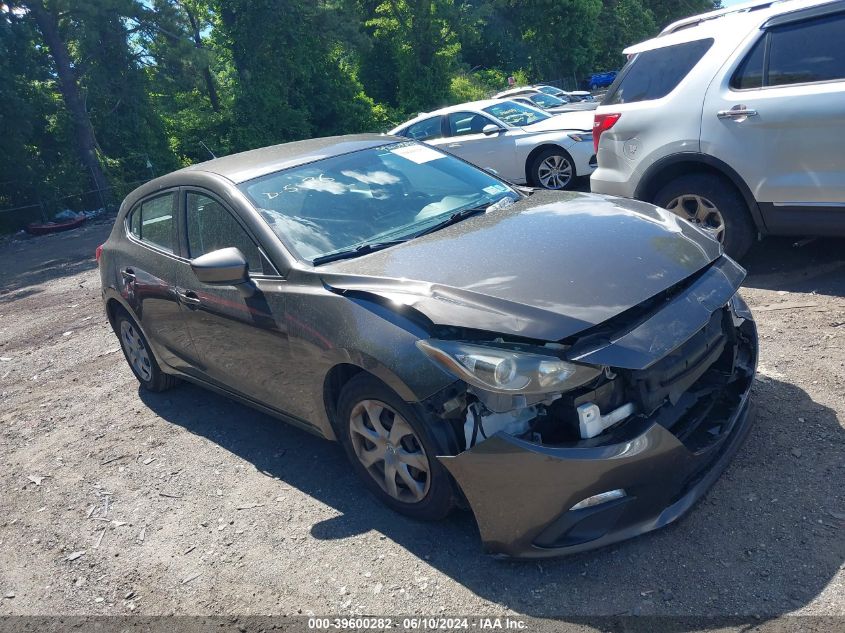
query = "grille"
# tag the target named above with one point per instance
(671, 376)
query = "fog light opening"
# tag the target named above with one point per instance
(598, 499)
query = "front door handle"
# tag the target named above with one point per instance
(128, 274)
(188, 298)
(737, 112)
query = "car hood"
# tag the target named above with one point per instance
(547, 267)
(573, 120)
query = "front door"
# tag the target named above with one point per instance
(239, 333)
(466, 140)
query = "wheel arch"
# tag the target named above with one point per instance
(346, 369)
(532, 156)
(670, 167)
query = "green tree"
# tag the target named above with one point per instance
(623, 23)
(414, 52)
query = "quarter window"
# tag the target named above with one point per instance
(211, 227)
(424, 130)
(152, 222)
(654, 74)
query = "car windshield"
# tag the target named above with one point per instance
(358, 201)
(516, 114)
(547, 101)
(549, 90)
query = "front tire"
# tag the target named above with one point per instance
(137, 352)
(393, 450)
(553, 168)
(714, 205)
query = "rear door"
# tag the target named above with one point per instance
(149, 267)
(240, 336)
(777, 116)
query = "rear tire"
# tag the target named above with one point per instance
(715, 205)
(393, 450)
(137, 352)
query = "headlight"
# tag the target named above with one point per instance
(505, 370)
(585, 136)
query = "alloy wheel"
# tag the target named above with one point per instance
(701, 212)
(390, 451)
(136, 351)
(555, 172)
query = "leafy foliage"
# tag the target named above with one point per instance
(163, 83)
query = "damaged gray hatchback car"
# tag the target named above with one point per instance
(574, 368)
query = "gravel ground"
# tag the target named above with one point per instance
(114, 501)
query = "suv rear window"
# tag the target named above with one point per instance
(654, 74)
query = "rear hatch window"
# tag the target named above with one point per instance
(654, 74)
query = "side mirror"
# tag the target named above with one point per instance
(490, 129)
(224, 267)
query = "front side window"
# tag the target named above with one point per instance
(152, 222)
(424, 130)
(516, 114)
(654, 74)
(211, 227)
(807, 52)
(357, 200)
(462, 123)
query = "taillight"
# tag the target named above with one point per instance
(601, 123)
(98, 252)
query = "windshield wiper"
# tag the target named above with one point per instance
(361, 249)
(453, 219)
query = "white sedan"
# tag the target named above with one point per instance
(520, 143)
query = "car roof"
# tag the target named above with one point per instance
(512, 92)
(258, 162)
(469, 105)
(728, 22)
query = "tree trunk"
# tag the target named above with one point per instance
(86, 144)
(206, 71)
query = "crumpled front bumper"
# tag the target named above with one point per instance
(521, 493)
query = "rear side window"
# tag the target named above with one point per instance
(424, 130)
(654, 74)
(152, 222)
(807, 52)
(211, 227)
(749, 75)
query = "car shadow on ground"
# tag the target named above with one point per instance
(765, 541)
(795, 265)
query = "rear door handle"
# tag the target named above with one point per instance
(736, 112)
(188, 298)
(128, 274)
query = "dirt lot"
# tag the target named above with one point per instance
(114, 501)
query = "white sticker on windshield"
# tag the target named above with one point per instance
(417, 153)
(494, 189)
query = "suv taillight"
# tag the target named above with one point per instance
(98, 252)
(601, 123)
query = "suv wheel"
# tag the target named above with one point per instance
(392, 450)
(553, 169)
(714, 205)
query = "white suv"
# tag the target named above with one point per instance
(735, 120)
